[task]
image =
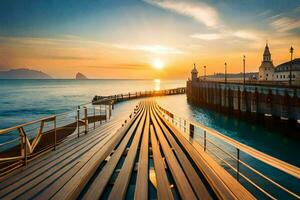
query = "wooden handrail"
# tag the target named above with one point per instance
(270, 160)
(50, 118)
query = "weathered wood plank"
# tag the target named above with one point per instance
(121, 184)
(163, 186)
(183, 185)
(141, 188)
(97, 187)
(199, 188)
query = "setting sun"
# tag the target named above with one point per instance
(158, 64)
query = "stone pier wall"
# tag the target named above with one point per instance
(276, 101)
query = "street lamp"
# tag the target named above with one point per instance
(291, 51)
(204, 72)
(244, 60)
(225, 72)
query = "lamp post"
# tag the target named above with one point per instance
(204, 72)
(244, 64)
(225, 72)
(291, 51)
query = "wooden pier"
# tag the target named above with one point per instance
(151, 154)
(136, 95)
(115, 166)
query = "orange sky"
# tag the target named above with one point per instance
(125, 44)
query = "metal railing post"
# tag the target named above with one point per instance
(106, 113)
(204, 145)
(55, 133)
(85, 120)
(238, 164)
(78, 126)
(94, 117)
(100, 115)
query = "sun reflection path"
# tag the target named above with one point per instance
(156, 84)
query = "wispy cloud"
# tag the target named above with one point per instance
(208, 36)
(199, 11)
(230, 34)
(158, 49)
(285, 24)
(246, 34)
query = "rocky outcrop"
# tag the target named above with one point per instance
(80, 76)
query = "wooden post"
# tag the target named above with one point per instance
(55, 133)
(78, 126)
(94, 117)
(25, 150)
(86, 120)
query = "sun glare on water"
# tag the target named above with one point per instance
(158, 64)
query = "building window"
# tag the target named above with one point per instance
(280, 76)
(294, 76)
(283, 76)
(276, 76)
(266, 74)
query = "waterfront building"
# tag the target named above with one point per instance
(282, 71)
(266, 69)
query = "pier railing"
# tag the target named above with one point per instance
(29, 140)
(258, 172)
(141, 94)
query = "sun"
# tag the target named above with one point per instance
(158, 64)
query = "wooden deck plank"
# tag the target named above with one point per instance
(121, 184)
(163, 187)
(97, 187)
(223, 184)
(183, 185)
(141, 188)
(73, 187)
(42, 171)
(195, 181)
(61, 150)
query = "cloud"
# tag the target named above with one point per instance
(199, 11)
(285, 24)
(158, 49)
(245, 34)
(230, 34)
(209, 36)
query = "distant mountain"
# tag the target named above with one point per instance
(23, 73)
(80, 76)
